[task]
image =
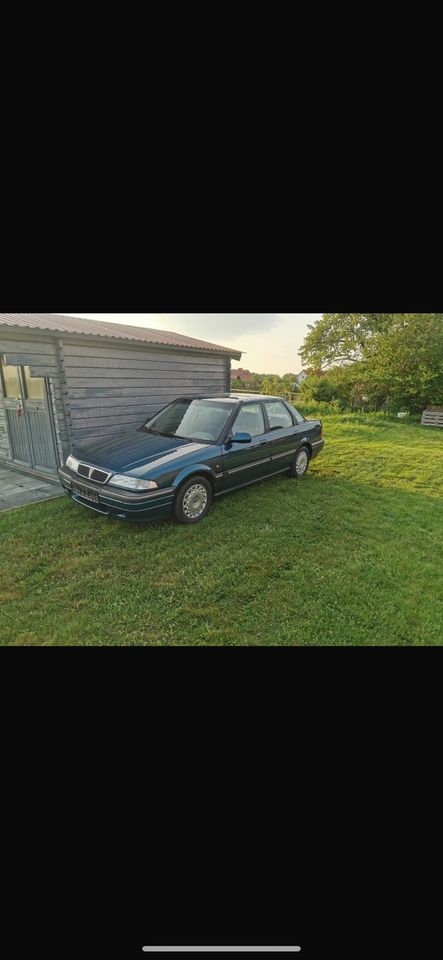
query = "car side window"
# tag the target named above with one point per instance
(250, 420)
(278, 416)
(298, 416)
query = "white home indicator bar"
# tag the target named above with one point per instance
(221, 949)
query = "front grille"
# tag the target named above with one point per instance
(93, 473)
(99, 476)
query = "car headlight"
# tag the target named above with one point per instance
(72, 463)
(132, 483)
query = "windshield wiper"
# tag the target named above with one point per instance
(172, 436)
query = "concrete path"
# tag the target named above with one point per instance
(17, 488)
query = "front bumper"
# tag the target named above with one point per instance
(121, 504)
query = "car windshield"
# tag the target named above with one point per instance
(192, 420)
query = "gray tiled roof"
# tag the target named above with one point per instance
(53, 323)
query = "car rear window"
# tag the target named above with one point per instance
(298, 416)
(278, 416)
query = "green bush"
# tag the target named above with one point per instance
(334, 408)
(320, 389)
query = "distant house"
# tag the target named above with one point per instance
(244, 375)
(304, 374)
(65, 380)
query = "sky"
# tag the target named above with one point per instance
(270, 341)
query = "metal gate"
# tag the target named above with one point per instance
(29, 419)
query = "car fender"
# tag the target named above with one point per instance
(191, 470)
(304, 442)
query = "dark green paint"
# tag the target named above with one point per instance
(169, 462)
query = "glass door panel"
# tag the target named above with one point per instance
(11, 380)
(35, 386)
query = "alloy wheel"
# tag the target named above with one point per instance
(195, 501)
(301, 463)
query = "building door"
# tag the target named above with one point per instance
(29, 420)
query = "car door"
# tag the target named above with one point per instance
(281, 435)
(245, 462)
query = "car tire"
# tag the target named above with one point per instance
(193, 500)
(300, 463)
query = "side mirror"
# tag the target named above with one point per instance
(241, 438)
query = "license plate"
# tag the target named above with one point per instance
(85, 493)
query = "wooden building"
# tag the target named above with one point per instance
(64, 380)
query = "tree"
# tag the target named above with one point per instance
(271, 385)
(406, 360)
(388, 358)
(317, 388)
(341, 337)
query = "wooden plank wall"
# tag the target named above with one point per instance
(39, 354)
(5, 453)
(62, 437)
(101, 390)
(112, 389)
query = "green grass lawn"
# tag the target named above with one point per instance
(353, 554)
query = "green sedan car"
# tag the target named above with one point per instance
(195, 450)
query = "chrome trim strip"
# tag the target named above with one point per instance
(248, 466)
(266, 476)
(317, 443)
(287, 453)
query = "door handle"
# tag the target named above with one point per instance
(263, 443)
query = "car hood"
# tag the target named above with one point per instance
(136, 452)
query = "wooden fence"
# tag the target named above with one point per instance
(432, 417)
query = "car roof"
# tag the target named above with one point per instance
(230, 396)
(253, 396)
